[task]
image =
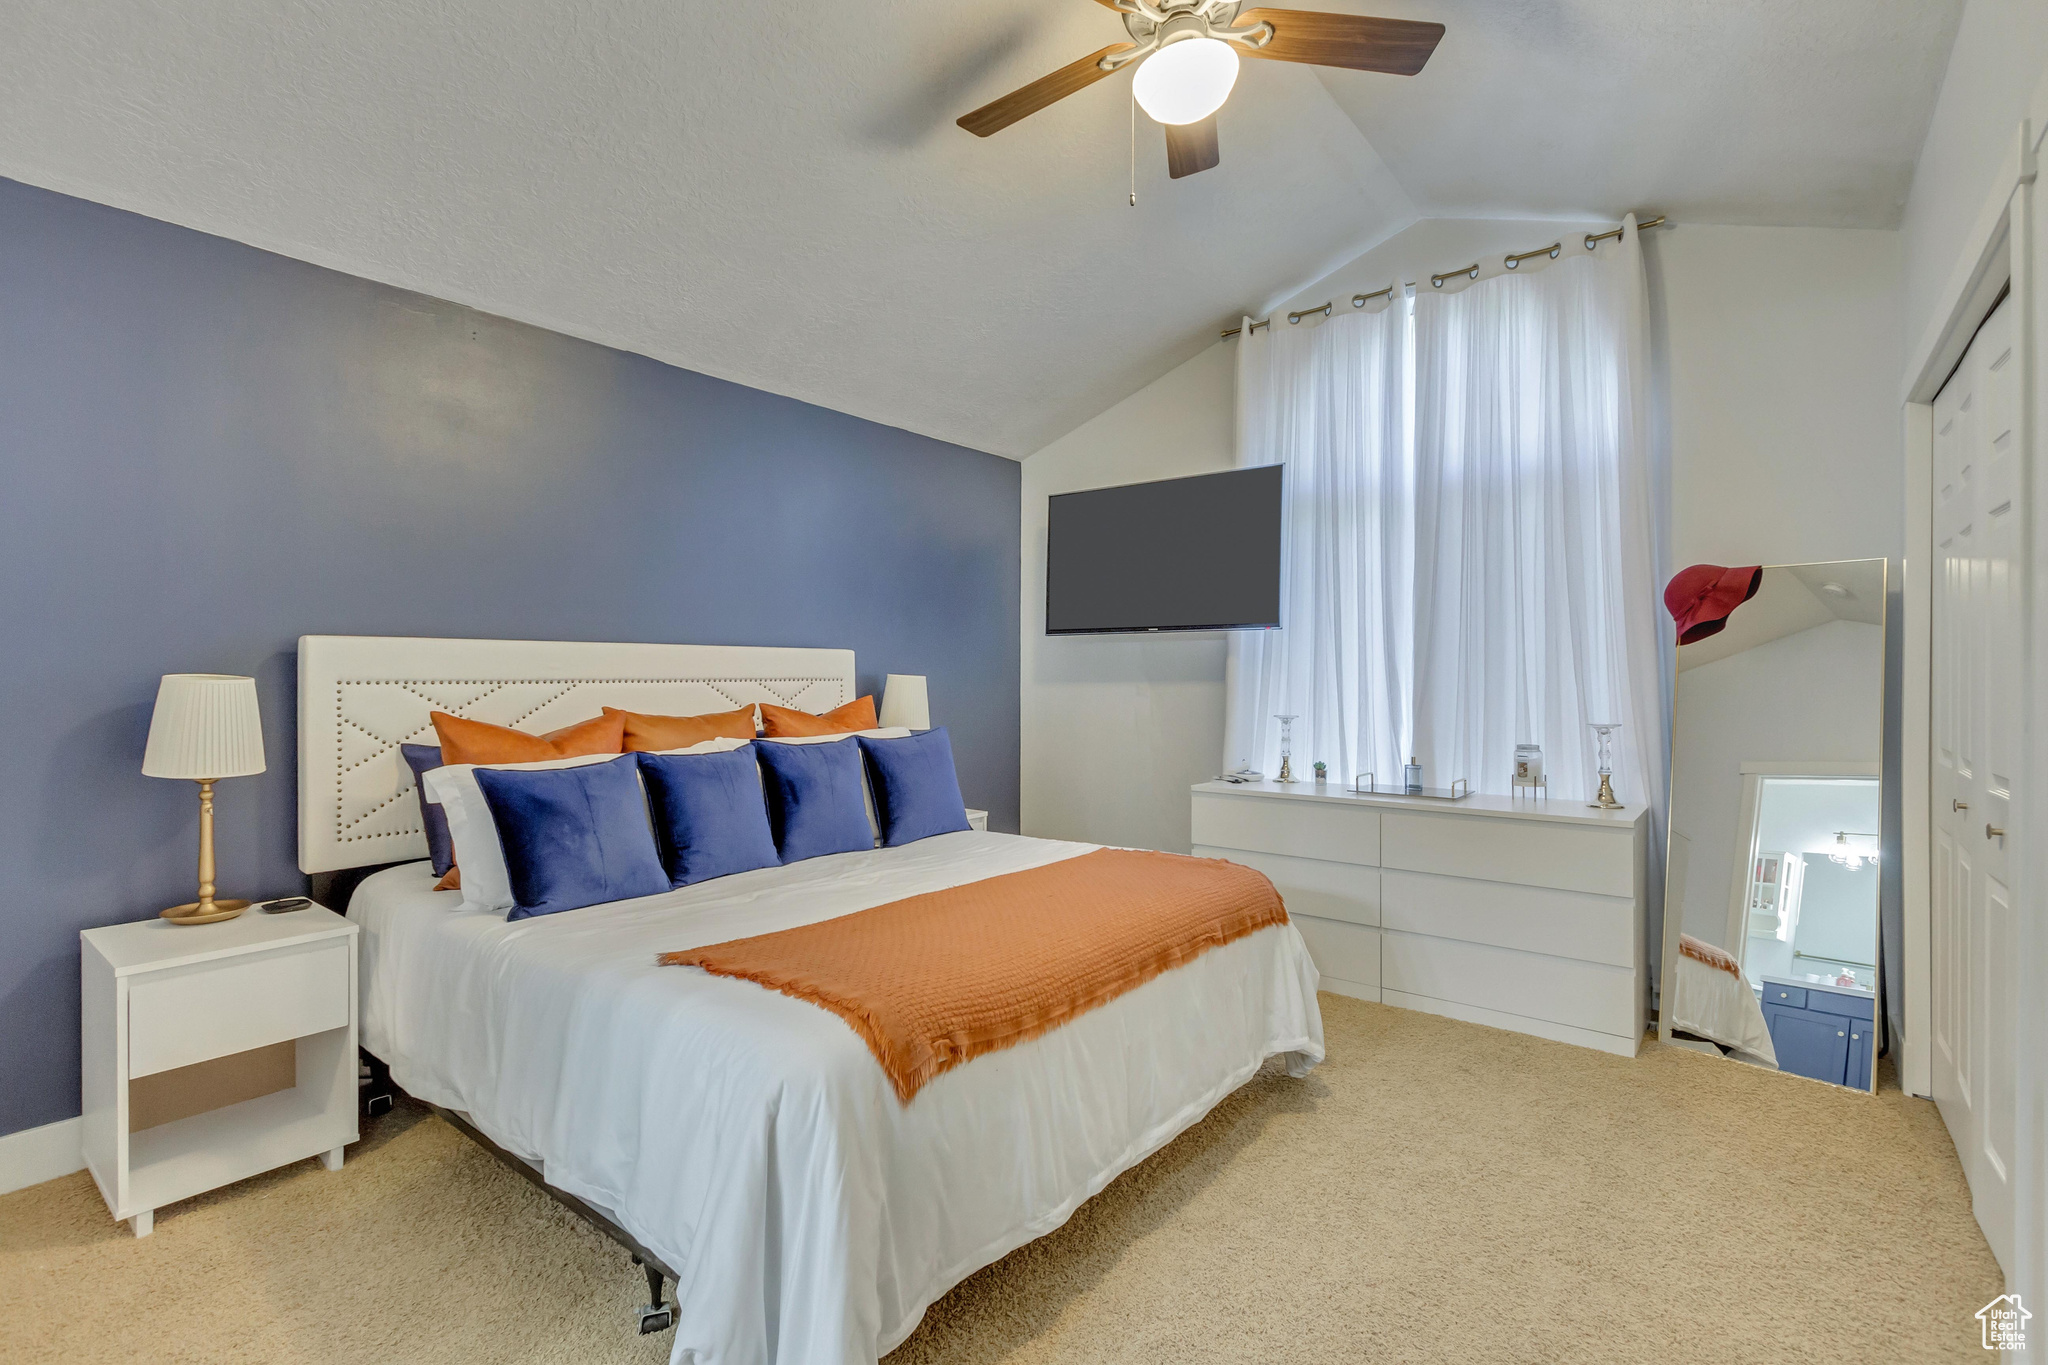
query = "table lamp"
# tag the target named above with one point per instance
(906, 702)
(205, 728)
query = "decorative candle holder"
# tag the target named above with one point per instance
(1286, 747)
(1605, 800)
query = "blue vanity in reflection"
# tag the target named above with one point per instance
(1823, 1031)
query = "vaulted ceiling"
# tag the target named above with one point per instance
(778, 195)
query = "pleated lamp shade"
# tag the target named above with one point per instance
(906, 702)
(205, 727)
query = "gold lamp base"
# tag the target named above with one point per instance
(206, 912)
(208, 909)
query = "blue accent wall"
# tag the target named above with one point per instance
(207, 451)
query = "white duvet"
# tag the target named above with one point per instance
(749, 1139)
(1722, 1006)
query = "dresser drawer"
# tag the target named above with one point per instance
(1529, 852)
(1349, 952)
(1310, 886)
(188, 1014)
(1559, 990)
(1791, 997)
(1299, 829)
(1534, 919)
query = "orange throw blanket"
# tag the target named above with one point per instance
(938, 979)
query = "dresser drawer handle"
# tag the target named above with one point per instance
(1838, 1033)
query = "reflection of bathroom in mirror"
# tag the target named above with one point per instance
(1771, 880)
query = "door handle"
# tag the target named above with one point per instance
(1993, 832)
(1958, 805)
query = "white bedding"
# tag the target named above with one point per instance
(1720, 1005)
(749, 1139)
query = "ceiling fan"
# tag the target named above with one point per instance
(1186, 54)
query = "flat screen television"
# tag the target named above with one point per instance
(1182, 554)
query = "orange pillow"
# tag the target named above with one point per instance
(473, 741)
(781, 722)
(680, 732)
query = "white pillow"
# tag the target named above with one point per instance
(887, 732)
(867, 798)
(706, 746)
(486, 885)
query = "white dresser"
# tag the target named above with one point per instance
(1521, 913)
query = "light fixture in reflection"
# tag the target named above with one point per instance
(1851, 856)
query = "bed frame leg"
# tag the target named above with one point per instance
(374, 1091)
(658, 1315)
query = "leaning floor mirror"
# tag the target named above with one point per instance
(1771, 880)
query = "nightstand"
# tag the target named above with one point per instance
(215, 1052)
(977, 819)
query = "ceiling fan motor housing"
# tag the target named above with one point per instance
(1153, 26)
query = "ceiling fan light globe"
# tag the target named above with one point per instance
(1187, 81)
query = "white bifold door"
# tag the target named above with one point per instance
(1976, 741)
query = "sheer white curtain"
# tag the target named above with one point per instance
(1330, 402)
(1536, 572)
(1472, 557)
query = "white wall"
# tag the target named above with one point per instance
(1116, 728)
(1781, 351)
(1995, 71)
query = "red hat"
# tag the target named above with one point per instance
(1702, 598)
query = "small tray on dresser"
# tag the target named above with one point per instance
(1364, 785)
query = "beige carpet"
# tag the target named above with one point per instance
(1435, 1192)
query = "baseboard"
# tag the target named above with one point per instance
(1515, 1023)
(34, 1155)
(1354, 989)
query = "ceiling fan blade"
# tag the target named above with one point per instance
(997, 115)
(1399, 47)
(1191, 147)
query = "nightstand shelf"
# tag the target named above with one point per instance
(213, 1053)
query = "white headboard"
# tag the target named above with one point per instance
(361, 696)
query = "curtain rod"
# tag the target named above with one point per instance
(1511, 261)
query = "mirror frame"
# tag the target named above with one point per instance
(1792, 768)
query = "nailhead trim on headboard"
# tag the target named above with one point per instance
(775, 686)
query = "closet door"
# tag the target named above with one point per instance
(1976, 744)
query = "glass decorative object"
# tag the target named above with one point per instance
(1286, 747)
(1605, 730)
(1411, 776)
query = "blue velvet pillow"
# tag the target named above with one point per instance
(710, 818)
(423, 759)
(917, 793)
(816, 801)
(573, 836)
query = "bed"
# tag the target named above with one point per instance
(746, 1141)
(1710, 999)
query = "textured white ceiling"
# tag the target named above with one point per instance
(778, 195)
(1781, 112)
